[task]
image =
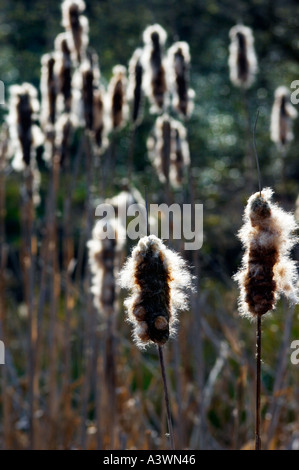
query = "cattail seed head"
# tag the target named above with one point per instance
(267, 270)
(281, 117)
(179, 64)
(104, 260)
(169, 150)
(242, 59)
(159, 147)
(155, 81)
(77, 25)
(180, 156)
(48, 91)
(158, 279)
(25, 135)
(63, 71)
(135, 90)
(116, 97)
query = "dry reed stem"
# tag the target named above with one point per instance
(258, 382)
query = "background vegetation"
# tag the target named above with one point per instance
(212, 381)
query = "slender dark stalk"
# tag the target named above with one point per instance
(258, 382)
(131, 151)
(256, 155)
(167, 402)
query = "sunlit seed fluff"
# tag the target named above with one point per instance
(267, 270)
(25, 135)
(63, 71)
(180, 156)
(49, 91)
(178, 57)
(135, 89)
(77, 24)
(242, 58)
(281, 117)
(158, 279)
(105, 256)
(116, 97)
(159, 147)
(154, 63)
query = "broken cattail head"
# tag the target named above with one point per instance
(267, 270)
(155, 80)
(242, 58)
(158, 279)
(179, 64)
(281, 117)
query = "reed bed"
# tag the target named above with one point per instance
(171, 365)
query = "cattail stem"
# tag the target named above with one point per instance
(258, 382)
(131, 151)
(166, 396)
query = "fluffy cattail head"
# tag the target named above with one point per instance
(104, 261)
(158, 279)
(77, 25)
(116, 97)
(169, 150)
(242, 59)
(180, 156)
(179, 64)
(281, 117)
(159, 147)
(48, 91)
(135, 91)
(155, 81)
(63, 71)
(267, 270)
(25, 135)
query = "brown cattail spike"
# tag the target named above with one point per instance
(25, 135)
(135, 91)
(48, 90)
(281, 117)
(157, 278)
(117, 103)
(155, 83)
(159, 147)
(104, 261)
(267, 270)
(77, 25)
(242, 59)
(64, 72)
(179, 64)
